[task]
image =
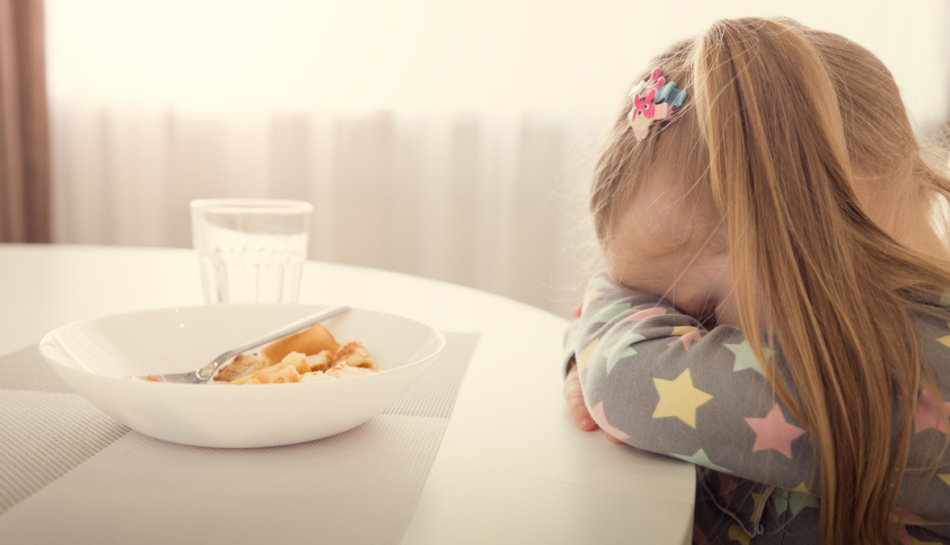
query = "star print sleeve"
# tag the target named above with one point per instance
(655, 378)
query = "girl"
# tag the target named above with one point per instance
(772, 304)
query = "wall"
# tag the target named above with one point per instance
(443, 138)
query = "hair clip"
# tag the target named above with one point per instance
(653, 100)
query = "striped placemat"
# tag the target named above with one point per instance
(107, 484)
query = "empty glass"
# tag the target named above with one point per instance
(250, 250)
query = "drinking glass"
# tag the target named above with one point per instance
(250, 250)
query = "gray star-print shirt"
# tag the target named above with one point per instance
(657, 379)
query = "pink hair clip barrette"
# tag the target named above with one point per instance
(653, 100)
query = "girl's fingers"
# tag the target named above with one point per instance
(575, 402)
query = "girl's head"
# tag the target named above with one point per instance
(640, 186)
(789, 192)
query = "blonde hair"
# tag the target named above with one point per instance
(778, 121)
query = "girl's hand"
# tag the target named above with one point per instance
(574, 397)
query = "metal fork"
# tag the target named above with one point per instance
(204, 374)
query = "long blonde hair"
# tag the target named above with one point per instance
(779, 119)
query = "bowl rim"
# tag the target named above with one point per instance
(47, 340)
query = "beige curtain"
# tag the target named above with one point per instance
(24, 133)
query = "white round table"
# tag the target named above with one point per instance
(511, 468)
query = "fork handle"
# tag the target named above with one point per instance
(208, 370)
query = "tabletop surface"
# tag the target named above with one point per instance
(511, 466)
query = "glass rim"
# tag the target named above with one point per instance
(251, 206)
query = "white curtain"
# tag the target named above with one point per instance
(466, 199)
(443, 138)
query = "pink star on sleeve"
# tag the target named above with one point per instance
(597, 413)
(726, 486)
(897, 527)
(644, 314)
(927, 416)
(687, 338)
(774, 432)
(699, 538)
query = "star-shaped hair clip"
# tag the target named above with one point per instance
(653, 100)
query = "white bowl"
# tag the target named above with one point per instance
(94, 355)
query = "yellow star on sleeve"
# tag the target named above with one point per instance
(583, 359)
(801, 488)
(681, 330)
(945, 340)
(679, 398)
(590, 296)
(757, 500)
(945, 477)
(736, 533)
